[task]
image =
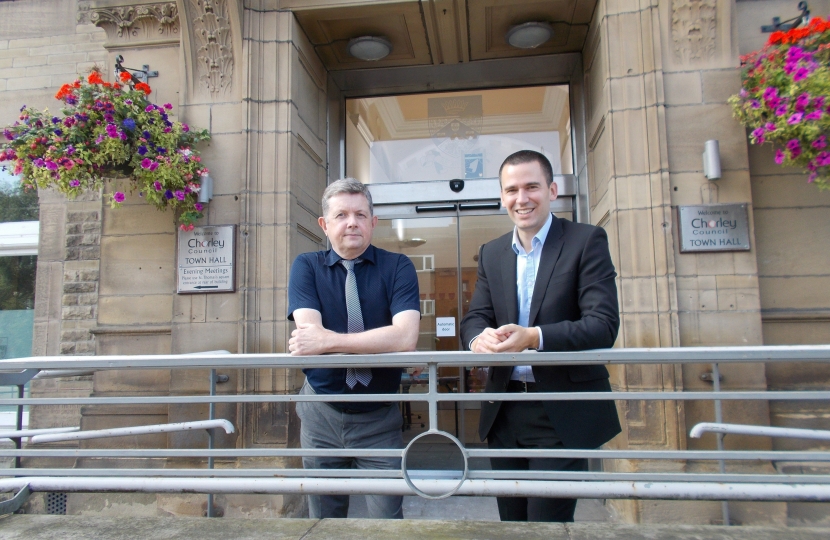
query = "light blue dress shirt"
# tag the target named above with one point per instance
(527, 264)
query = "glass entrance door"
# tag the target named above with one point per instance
(444, 250)
(432, 163)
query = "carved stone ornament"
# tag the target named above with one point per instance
(694, 29)
(136, 24)
(212, 44)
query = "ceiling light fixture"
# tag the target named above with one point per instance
(369, 48)
(529, 35)
(413, 242)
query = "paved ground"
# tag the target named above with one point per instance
(42, 527)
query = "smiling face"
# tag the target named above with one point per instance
(349, 224)
(526, 196)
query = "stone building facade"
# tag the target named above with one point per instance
(648, 83)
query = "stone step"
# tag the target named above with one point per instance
(45, 527)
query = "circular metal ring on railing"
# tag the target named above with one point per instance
(408, 480)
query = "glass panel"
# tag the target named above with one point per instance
(432, 245)
(16, 204)
(17, 299)
(444, 136)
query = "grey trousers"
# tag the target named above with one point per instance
(324, 427)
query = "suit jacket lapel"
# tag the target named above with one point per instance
(508, 285)
(550, 254)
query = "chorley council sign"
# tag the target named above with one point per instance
(206, 261)
(713, 227)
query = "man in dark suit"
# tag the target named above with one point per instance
(547, 286)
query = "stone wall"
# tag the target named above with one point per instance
(793, 270)
(629, 196)
(42, 46)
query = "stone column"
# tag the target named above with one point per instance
(629, 196)
(657, 77)
(718, 293)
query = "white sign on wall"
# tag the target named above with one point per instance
(206, 260)
(444, 326)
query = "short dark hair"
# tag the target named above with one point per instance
(529, 156)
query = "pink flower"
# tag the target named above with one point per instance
(199, 207)
(153, 166)
(801, 74)
(118, 197)
(180, 195)
(168, 106)
(779, 156)
(802, 102)
(795, 119)
(186, 228)
(821, 142)
(157, 185)
(75, 183)
(146, 162)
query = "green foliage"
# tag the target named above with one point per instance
(17, 282)
(18, 204)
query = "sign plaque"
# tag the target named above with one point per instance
(445, 326)
(713, 227)
(206, 260)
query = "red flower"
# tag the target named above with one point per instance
(95, 78)
(144, 87)
(64, 91)
(776, 38)
(125, 77)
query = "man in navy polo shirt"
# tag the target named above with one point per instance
(359, 299)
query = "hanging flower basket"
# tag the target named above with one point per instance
(785, 99)
(109, 130)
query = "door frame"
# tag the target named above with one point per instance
(501, 73)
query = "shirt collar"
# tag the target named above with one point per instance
(333, 258)
(538, 239)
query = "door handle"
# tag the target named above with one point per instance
(436, 208)
(480, 206)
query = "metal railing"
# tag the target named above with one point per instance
(721, 485)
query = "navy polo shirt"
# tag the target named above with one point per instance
(387, 285)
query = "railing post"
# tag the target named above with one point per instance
(18, 441)
(719, 420)
(433, 395)
(211, 434)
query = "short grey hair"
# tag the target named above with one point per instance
(346, 185)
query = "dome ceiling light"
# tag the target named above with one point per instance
(529, 35)
(369, 48)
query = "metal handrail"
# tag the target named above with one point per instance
(767, 431)
(668, 355)
(18, 433)
(718, 486)
(134, 430)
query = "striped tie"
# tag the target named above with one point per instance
(354, 375)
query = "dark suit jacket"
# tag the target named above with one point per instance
(575, 304)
